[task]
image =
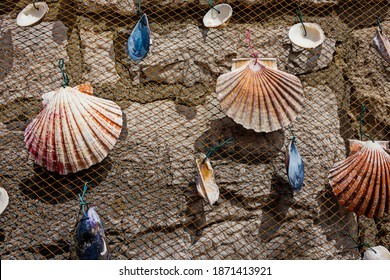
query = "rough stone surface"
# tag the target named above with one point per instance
(144, 190)
(194, 55)
(29, 64)
(369, 76)
(123, 7)
(99, 57)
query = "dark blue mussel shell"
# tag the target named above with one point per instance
(89, 240)
(295, 168)
(139, 39)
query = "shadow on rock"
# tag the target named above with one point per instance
(124, 131)
(338, 224)
(276, 208)
(249, 147)
(52, 188)
(194, 213)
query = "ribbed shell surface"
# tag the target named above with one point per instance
(361, 182)
(73, 131)
(259, 97)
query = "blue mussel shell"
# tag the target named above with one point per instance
(295, 168)
(89, 240)
(139, 40)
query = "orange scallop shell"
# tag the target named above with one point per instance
(361, 182)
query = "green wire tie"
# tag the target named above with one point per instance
(82, 202)
(359, 246)
(299, 14)
(213, 149)
(61, 65)
(361, 124)
(212, 6)
(292, 132)
(35, 6)
(139, 11)
(378, 19)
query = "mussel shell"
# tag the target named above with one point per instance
(89, 240)
(382, 45)
(294, 166)
(205, 183)
(138, 43)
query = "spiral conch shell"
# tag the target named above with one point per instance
(361, 182)
(74, 131)
(260, 97)
(205, 183)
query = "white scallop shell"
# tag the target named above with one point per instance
(361, 182)
(3, 199)
(205, 183)
(73, 131)
(315, 35)
(260, 97)
(376, 253)
(30, 15)
(218, 17)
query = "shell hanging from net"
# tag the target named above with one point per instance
(73, 131)
(260, 97)
(361, 182)
(382, 45)
(205, 183)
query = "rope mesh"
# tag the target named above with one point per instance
(144, 191)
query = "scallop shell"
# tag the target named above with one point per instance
(73, 131)
(361, 182)
(240, 62)
(3, 199)
(294, 166)
(259, 97)
(30, 15)
(218, 16)
(205, 183)
(376, 253)
(382, 45)
(314, 35)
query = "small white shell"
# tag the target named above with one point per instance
(205, 183)
(3, 199)
(315, 35)
(218, 16)
(376, 253)
(30, 15)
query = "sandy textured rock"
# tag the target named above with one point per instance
(29, 64)
(99, 57)
(369, 76)
(123, 7)
(194, 55)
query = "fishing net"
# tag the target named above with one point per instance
(145, 189)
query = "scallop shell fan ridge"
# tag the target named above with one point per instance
(73, 131)
(259, 97)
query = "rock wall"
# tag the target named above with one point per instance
(145, 189)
